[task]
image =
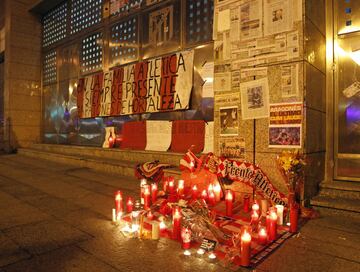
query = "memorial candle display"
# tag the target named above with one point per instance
(262, 236)
(194, 192)
(280, 214)
(245, 249)
(146, 197)
(246, 203)
(129, 205)
(118, 203)
(229, 203)
(217, 192)
(272, 225)
(154, 190)
(176, 224)
(180, 188)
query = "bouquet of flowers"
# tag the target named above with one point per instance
(292, 165)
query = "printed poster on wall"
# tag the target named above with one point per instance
(232, 148)
(156, 85)
(255, 99)
(285, 125)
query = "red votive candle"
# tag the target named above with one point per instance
(262, 236)
(150, 216)
(142, 184)
(129, 205)
(194, 192)
(180, 188)
(165, 184)
(118, 203)
(171, 186)
(154, 190)
(204, 195)
(186, 238)
(294, 215)
(246, 203)
(147, 197)
(245, 249)
(176, 224)
(229, 203)
(211, 198)
(272, 225)
(254, 217)
(111, 140)
(217, 192)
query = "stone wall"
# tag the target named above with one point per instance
(22, 74)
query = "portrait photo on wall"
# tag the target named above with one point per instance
(285, 137)
(255, 99)
(229, 123)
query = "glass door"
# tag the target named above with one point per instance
(347, 89)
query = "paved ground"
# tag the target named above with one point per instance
(57, 218)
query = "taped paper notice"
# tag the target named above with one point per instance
(158, 135)
(223, 20)
(209, 138)
(352, 90)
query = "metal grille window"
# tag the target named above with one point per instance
(49, 68)
(55, 25)
(121, 7)
(124, 42)
(91, 53)
(199, 20)
(85, 13)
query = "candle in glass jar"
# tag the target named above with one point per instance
(211, 198)
(229, 202)
(186, 237)
(194, 192)
(142, 184)
(155, 230)
(280, 214)
(129, 205)
(204, 195)
(254, 217)
(154, 190)
(180, 188)
(217, 191)
(165, 185)
(255, 207)
(264, 207)
(118, 203)
(294, 214)
(171, 186)
(272, 227)
(176, 224)
(262, 236)
(246, 203)
(162, 227)
(150, 215)
(245, 249)
(147, 197)
(210, 188)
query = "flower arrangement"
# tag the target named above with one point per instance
(292, 165)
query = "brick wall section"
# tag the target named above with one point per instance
(22, 73)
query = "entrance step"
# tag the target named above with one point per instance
(338, 197)
(113, 161)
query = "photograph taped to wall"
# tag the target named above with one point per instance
(161, 26)
(285, 136)
(277, 17)
(226, 100)
(251, 20)
(229, 122)
(292, 43)
(289, 80)
(222, 47)
(255, 99)
(222, 82)
(232, 148)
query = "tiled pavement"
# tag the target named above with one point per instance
(57, 218)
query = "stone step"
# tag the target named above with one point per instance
(124, 168)
(340, 189)
(136, 156)
(337, 205)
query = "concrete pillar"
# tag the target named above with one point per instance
(22, 92)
